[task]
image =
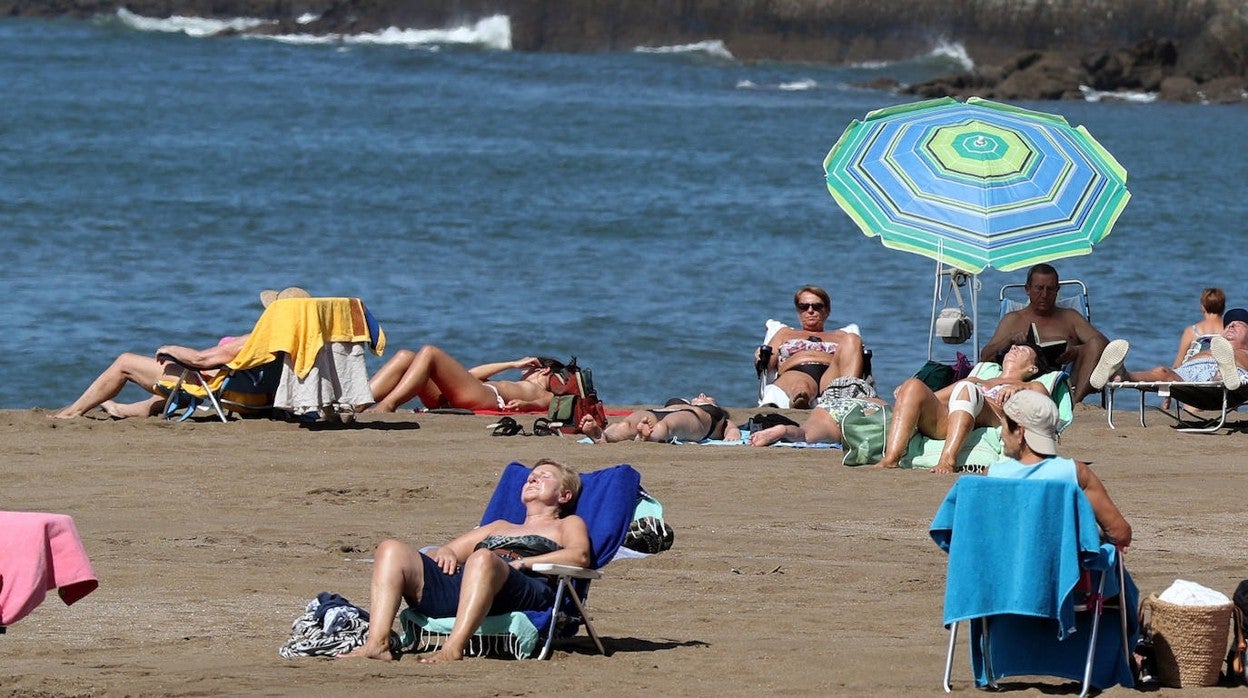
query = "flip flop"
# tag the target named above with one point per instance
(507, 426)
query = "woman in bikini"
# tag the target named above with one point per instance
(439, 380)
(952, 412)
(808, 358)
(486, 570)
(678, 420)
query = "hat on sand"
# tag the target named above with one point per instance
(1037, 413)
(268, 296)
(1235, 314)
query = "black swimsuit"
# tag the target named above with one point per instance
(719, 416)
(813, 369)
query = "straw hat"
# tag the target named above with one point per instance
(268, 296)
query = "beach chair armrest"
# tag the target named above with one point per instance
(556, 570)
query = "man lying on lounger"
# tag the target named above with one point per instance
(1225, 360)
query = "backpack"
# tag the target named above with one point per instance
(573, 398)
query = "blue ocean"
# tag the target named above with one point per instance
(646, 211)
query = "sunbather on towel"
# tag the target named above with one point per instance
(952, 412)
(147, 371)
(680, 419)
(824, 423)
(808, 358)
(1084, 342)
(439, 380)
(1029, 440)
(1226, 359)
(486, 570)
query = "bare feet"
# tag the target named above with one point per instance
(768, 436)
(886, 465)
(366, 652)
(592, 429)
(442, 656)
(942, 469)
(63, 414)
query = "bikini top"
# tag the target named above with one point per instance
(796, 346)
(526, 546)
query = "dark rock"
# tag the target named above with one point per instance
(1179, 89)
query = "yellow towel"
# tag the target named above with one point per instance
(300, 327)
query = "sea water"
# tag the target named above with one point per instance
(645, 211)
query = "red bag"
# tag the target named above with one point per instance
(574, 398)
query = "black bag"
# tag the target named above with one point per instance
(1237, 658)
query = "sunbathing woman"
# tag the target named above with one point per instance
(679, 419)
(440, 381)
(807, 359)
(824, 423)
(951, 413)
(484, 571)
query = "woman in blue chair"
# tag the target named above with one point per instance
(487, 570)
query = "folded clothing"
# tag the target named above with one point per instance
(39, 552)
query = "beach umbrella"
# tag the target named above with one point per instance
(976, 184)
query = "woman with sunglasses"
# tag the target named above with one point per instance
(808, 358)
(439, 380)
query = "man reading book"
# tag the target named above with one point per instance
(1052, 325)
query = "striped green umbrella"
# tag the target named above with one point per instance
(977, 184)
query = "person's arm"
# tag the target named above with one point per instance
(212, 357)
(1081, 328)
(450, 555)
(1011, 330)
(485, 371)
(732, 432)
(1107, 514)
(1185, 341)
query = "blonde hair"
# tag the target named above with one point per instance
(569, 480)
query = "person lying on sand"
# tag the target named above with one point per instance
(679, 419)
(439, 380)
(487, 570)
(147, 371)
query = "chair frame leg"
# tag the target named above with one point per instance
(565, 586)
(953, 639)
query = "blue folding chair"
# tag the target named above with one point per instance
(610, 499)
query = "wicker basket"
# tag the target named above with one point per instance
(1189, 642)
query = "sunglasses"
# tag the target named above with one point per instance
(817, 307)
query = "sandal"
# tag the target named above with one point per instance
(507, 426)
(542, 427)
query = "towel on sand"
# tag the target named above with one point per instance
(39, 552)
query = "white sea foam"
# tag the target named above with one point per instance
(1091, 95)
(491, 32)
(191, 26)
(798, 85)
(713, 47)
(747, 85)
(954, 50)
(307, 18)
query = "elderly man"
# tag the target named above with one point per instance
(1084, 343)
(1225, 360)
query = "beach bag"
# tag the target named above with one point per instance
(937, 375)
(1189, 642)
(573, 398)
(1237, 657)
(863, 432)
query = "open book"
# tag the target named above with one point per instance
(1052, 349)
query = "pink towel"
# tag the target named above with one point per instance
(40, 552)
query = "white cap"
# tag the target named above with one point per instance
(1037, 413)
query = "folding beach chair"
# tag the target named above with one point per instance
(767, 376)
(1027, 568)
(1211, 396)
(304, 355)
(610, 500)
(1075, 297)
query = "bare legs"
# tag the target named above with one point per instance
(484, 575)
(1089, 353)
(430, 374)
(916, 409)
(398, 573)
(820, 427)
(143, 371)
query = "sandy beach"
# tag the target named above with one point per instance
(790, 574)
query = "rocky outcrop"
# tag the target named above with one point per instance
(1029, 49)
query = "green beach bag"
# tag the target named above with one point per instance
(863, 431)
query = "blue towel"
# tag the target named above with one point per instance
(1017, 557)
(1005, 557)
